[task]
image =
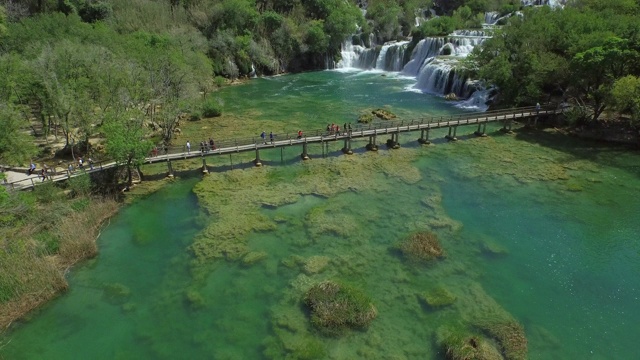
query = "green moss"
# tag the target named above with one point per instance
(194, 299)
(253, 257)
(465, 346)
(365, 118)
(509, 335)
(315, 264)
(438, 297)
(116, 293)
(421, 246)
(335, 308)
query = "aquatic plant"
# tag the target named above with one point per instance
(464, 346)
(335, 307)
(509, 335)
(253, 257)
(422, 245)
(438, 297)
(194, 299)
(116, 293)
(365, 118)
(315, 264)
(384, 114)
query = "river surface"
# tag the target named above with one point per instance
(538, 229)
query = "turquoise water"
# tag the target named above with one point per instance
(537, 228)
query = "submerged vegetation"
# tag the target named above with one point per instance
(336, 307)
(422, 246)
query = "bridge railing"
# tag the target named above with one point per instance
(382, 125)
(51, 174)
(358, 127)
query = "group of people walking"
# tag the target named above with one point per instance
(335, 129)
(205, 146)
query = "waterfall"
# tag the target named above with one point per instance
(434, 62)
(491, 17)
(389, 58)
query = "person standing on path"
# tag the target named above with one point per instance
(188, 147)
(264, 137)
(271, 136)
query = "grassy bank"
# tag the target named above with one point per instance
(44, 233)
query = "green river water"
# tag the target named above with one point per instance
(538, 229)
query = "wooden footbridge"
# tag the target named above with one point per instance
(390, 129)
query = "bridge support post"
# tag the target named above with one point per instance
(257, 161)
(372, 146)
(507, 127)
(424, 139)
(393, 142)
(205, 171)
(347, 147)
(450, 136)
(482, 128)
(305, 154)
(169, 169)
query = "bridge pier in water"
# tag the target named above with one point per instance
(205, 171)
(347, 146)
(170, 169)
(507, 127)
(424, 139)
(372, 146)
(305, 153)
(257, 161)
(394, 142)
(482, 133)
(452, 137)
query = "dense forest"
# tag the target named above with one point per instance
(80, 69)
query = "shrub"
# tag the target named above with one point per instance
(79, 185)
(422, 246)
(211, 108)
(336, 308)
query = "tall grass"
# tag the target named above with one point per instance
(55, 234)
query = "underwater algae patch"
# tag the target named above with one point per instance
(337, 307)
(232, 200)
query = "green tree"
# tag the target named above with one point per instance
(596, 70)
(625, 97)
(126, 141)
(3, 21)
(16, 146)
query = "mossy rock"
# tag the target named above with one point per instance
(335, 308)
(293, 261)
(509, 335)
(438, 298)
(194, 299)
(384, 114)
(459, 346)
(253, 257)
(365, 118)
(315, 264)
(493, 249)
(422, 246)
(116, 293)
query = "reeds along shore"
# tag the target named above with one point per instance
(45, 233)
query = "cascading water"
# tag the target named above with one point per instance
(389, 57)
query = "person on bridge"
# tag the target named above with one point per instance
(91, 160)
(211, 144)
(299, 134)
(32, 169)
(537, 107)
(264, 137)
(188, 147)
(271, 136)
